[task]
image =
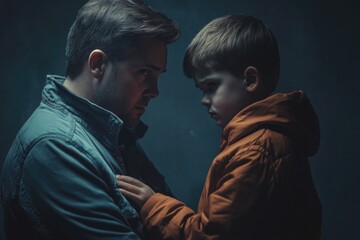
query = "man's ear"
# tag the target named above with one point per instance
(97, 60)
(252, 79)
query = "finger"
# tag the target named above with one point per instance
(130, 180)
(129, 187)
(120, 180)
(130, 195)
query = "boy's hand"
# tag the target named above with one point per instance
(134, 189)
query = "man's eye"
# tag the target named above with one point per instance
(145, 72)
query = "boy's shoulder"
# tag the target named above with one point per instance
(271, 143)
(277, 144)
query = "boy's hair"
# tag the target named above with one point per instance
(114, 26)
(232, 43)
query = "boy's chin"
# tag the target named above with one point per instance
(219, 123)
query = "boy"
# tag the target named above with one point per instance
(260, 184)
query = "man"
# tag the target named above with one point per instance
(58, 180)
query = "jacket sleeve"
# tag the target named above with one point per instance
(236, 193)
(65, 188)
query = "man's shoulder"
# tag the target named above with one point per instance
(46, 122)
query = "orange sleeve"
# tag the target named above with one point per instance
(236, 193)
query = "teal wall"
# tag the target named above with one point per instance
(319, 44)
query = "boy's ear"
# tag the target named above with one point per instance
(96, 61)
(252, 79)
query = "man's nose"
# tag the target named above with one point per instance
(153, 90)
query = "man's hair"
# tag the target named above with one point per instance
(233, 43)
(114, 26)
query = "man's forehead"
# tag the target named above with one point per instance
(153, 55)
(146, 42)
(157, 66)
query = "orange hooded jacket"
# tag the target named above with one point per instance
(259, 186)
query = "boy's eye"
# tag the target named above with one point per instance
(211, 87)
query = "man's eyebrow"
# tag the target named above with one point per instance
(153, 67)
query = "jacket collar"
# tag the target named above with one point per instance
(132, 134)
(288, 113)
(103, 124)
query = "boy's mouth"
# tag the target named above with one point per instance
(213, 115)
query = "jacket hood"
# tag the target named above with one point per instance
(288, 113)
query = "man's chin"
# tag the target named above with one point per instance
(132, 122)
(133, 118)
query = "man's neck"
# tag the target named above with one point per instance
(79, 87)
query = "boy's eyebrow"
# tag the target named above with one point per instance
(200, 82)
(208, 78)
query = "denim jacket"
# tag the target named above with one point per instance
(58, 179)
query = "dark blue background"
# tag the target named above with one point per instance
(319, 45)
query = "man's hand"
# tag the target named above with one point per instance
(134, 189)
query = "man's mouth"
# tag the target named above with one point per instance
(140, 108)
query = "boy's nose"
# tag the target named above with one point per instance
(205, 101)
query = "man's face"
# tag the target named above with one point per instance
(129, 84)
(224, 95)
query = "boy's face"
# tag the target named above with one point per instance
(224, 95)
